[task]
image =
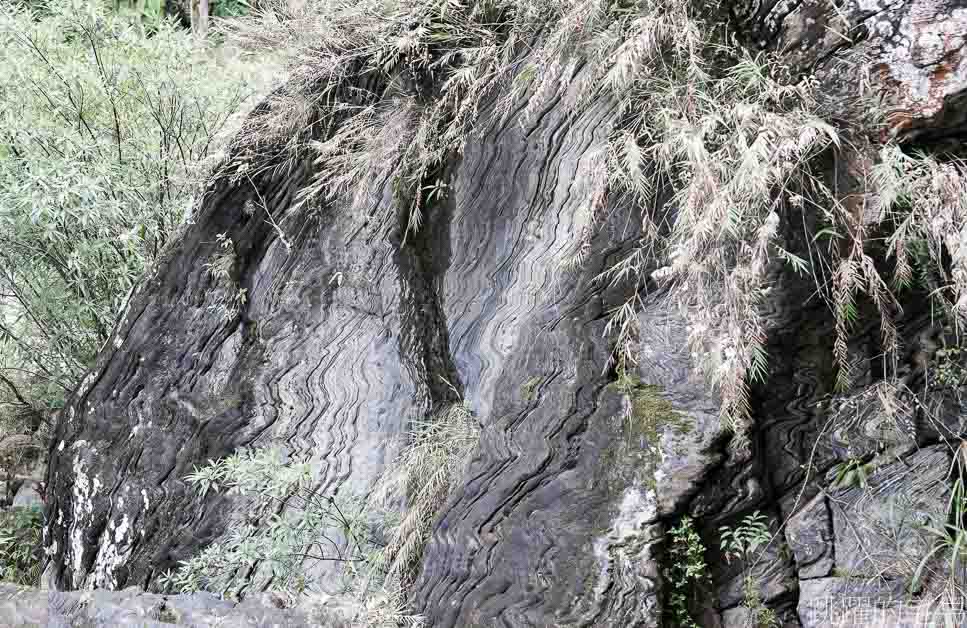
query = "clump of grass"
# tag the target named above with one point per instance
(736, 151)
(949, 538)
(20, 551)
(423, 477)
(925, 201)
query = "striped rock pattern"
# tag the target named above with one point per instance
(347, 335)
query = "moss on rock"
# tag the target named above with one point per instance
(637, 454)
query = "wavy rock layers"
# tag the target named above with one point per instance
(552, 526)
(320, 358)
(346, 335)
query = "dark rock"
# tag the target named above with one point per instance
(809, 534)
(880, 529)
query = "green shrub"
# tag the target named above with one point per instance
(105, 136)
(284, 528)
(686, 572)
(20, 551)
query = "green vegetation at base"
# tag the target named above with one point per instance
(20, 551)
(292, 529)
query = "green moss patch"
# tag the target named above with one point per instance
(529, 388)
(636, 454)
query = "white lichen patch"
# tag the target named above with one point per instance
(114, 551)
(638, 508)
(86, 385)
(626, 545)
(121, 530)
(870, 6)
(84, 490)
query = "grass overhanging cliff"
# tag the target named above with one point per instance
(721, 149)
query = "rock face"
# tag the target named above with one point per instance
(347, 335)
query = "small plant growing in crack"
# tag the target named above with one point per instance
(686, 573)
(852, 472)
(219, 268)
(950, 536)
(741, 543)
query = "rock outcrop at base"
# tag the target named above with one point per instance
(131, 608)
(347, 336)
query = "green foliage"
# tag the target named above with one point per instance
(949, 370)
(148, 12)
(290, 527)
(230, 8)
(740, 542)
(852, 472)
(686, 572)
(285, 526)
(20, 551)
(105, 136)
(221, 268)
